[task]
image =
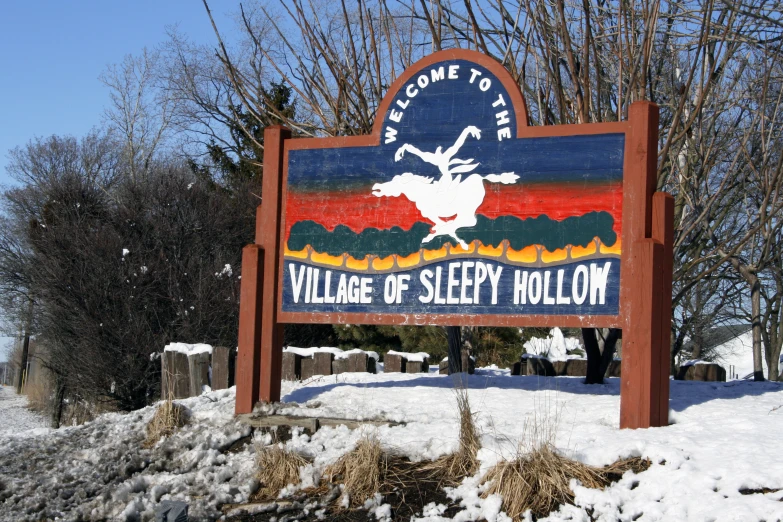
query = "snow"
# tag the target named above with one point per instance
(188, 349)
(555, 347)
(736, 357)
(410, 356)
(337, 352)
(15, 419)
(723, 439)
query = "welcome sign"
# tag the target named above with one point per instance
(454, 207)
(454, 211)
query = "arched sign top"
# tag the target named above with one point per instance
(426, 94)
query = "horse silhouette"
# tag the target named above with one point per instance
(459, 200)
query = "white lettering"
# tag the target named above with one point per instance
(598, 279)
(466, 282)
(403, 105)
(411, 91)
(453, 72)
(520, 296)
(493, 279)
(342, 289)
(535, 295)
(504, 133)
(390, 289)
(425, 277)
(561, 299)
(309, 284)
(473, 74)
(579, 298)
(438, 298)
(315, 299)
(484, 84)
(353, 289)
(366, 297)
(327, 286)
(397, 116)
(402, 284)
(502, 117)
(500, 101)
(453, 282)
(438, 74)
(481, 276)
(547, 300)
(423, 81)
(391, 135)
(296, 284)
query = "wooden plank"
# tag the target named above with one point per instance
(640, 388)
(291, 366)
(198, 371)
(307, 368)
(312, 423)
(180, 374)
(220, 368)
(340, 366)
(249, 342)
(322, 363)
(663, 232)
(164, 375)
(393, 363)
(357, 362)
(268, 236)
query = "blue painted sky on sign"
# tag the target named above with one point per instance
(431, 110)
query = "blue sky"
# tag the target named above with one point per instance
(52, 52)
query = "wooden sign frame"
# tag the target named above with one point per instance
(645, 277)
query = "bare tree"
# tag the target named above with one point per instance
(140, 111)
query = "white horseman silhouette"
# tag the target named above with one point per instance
(449, 197)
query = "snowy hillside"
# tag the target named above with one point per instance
(716, 462)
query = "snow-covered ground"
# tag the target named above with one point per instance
(15, 419)
(723, 440)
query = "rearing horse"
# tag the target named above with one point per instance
(460, 200)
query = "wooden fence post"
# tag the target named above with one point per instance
(268, 236)
(250, 304)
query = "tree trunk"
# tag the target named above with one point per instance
(610, 343)
(755, 303)
(594, 375)
(23, 364)
(59, 402)
(455, 349)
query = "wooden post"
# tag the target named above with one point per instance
(180, 374)
(249, 356)
(220, 368)
(663, 232)
(646, 288)
(268, 236)
(198, 369)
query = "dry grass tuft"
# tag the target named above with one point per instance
(451, 469)
(168, 418)
(277, 468)
(361, 470)
(539, 480)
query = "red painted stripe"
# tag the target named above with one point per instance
(360, 209)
